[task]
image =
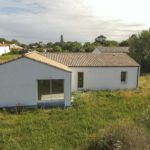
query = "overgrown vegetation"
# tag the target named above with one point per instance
(120, 135)
(90, 115)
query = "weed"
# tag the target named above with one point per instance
(120, 135)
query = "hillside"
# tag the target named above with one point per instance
(68, 129)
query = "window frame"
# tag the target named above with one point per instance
(50, 90)
(80, 88)
(125, 76)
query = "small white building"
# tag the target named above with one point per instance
(108, 49)
(4, 48)
(42, 78)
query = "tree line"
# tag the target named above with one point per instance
(75, 46)
(86, 47)
(139, 46)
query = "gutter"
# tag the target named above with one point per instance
(137, 78)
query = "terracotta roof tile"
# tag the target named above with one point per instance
(5, 44)
(35, 56)
(113, 49)
(91, 59)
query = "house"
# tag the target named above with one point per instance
(33, 45)
(99, 71)
(36, 45)
(111, 50)
(14, 46)
(37, 79)
(5, 48)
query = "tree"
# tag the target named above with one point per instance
(110, 43)
(24, 45)
(56, 44)
(77, 48)
(40, 46)
(133, 35)
(13, 51)
(50, 44)
(67, 46)
(86, 44)
(100, 39)
(96, 44)
(5, 41)
(139, 49)
(61, 41)
(124, 43)
(15, 42)
(57, 49)
(89, 48)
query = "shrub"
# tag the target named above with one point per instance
(77, 101)
(6, 109)
(13, 51)
(5, 54)
(144, 118)
(119, 136)
(20, 108)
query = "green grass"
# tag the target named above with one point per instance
(8, 57)
(68, 129)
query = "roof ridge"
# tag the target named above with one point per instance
(30, 53)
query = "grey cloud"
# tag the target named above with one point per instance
(75, 21)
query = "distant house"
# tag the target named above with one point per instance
(111, 50)
(33, 45)
(36, 45)
(5, 48)
(14, 46)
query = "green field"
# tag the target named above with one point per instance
(8, 57)
(68, 129)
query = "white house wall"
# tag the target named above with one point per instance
(18, 81)
(100, 78)
(4, 49)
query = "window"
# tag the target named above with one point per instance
(80, 79)
(123, 76)
(50, 89)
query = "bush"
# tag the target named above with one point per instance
(6, 109)
(77, 101)
(144, 118)
(119, 136)
(20, 108)
(13, 51)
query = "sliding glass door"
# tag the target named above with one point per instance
(51, 89)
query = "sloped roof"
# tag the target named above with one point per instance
(5, 44)
(113, 49)
(92, 59)
(39, 58)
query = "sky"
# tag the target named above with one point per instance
(31, 21)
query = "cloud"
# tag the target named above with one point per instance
(81, 20)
